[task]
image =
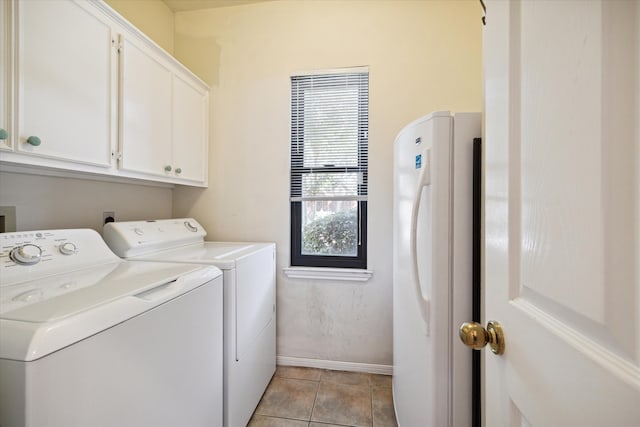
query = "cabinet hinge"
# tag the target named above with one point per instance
(117, 44)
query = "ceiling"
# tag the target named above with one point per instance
(186, 5)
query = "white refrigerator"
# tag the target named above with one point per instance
(432, 269)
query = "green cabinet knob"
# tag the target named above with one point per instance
(178, 170)
(167, 168)
(34, 140)
(3, 135)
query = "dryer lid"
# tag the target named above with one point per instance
(223, 255)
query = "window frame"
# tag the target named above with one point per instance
(298, 170)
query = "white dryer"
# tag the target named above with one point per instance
(88, 339)
(249, 298)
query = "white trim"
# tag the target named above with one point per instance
(623, 369)
(319, 72)
(322, 273)
(339, 198)
(59, 171)
(335, 365)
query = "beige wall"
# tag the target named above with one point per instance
(422, 56)
(152, 17)
(49, 202)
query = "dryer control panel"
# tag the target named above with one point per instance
(134, 238)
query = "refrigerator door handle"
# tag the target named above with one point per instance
(424, 179)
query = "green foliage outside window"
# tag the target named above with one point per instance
(335, 234)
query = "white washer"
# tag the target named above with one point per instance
(88, 339)
(249, 298)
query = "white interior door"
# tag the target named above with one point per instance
(562, 212)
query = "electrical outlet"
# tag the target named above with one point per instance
(108, 217)
(7, 219)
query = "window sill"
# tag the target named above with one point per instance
(321, 273)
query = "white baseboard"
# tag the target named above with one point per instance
(334, 365)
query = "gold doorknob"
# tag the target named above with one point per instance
(475, 336)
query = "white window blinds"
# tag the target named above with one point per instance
(329, 135)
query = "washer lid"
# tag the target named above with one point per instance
(45, 315)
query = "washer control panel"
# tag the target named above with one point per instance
(33, 254)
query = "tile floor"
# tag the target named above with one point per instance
(308, 397)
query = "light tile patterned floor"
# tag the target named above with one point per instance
(308, 397)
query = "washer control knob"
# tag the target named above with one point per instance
(67, 248)
(28, 254)
(190, 226)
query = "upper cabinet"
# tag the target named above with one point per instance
(5, 49)
(91, 94)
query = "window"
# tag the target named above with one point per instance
(329, 134)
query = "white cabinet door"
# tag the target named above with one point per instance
(163, 117)
(190, 129)
(562, 216)
(5, 59)
(66, 81)
(145, 116)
